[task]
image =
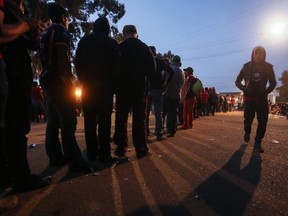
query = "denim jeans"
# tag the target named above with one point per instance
(171, 105)
(61, 114)
(157, 100)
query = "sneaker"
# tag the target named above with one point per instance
(183, 127)
(33, 182)
(170, 135)
(247, 137)
(142, 152)
(8, 203)
(159, 138)
(120, 151)
(81, 167)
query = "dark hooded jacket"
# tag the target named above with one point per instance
(256, 76)
(97, 56)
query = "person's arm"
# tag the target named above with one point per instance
(272, 80)
(169, 73)
(239, 80)
(9, 32)
(64, 62)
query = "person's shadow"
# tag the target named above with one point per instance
(229, 190)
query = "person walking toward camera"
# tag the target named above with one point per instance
(256, 74)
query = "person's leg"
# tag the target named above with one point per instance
(52, 142)
(249, 114)
(190, 112)
(158, 102)
(165, 108)
(5, 175)
(120, 137)
(185, 113)
(262, 111)
(172, 117)
(17, 127)
(179, 114)
(104, 128)
(138, 125)
(64, 110)
(90, 126)
(148, 109)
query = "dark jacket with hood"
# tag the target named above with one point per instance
(97, 56)
(256, 76)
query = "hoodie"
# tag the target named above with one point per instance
(97, 56)
(256, 77)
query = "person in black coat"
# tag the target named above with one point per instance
(137, 65)
(97, 63)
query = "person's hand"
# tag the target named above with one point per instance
(44, 25)
(33, 25)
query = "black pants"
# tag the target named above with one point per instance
(97, 106)
(5, 175)
(123, 104)
(260, 107)
(17, 127)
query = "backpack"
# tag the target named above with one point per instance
(197, 87)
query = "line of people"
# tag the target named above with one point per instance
(130, 70)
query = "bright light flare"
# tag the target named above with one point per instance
(78, 92)
(278, 28)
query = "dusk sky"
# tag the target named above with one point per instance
(215, 37)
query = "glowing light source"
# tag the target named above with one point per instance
(278, 28)
(78, 92)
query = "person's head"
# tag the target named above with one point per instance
(58, 14)
(101, 25)
(130, 31)
(167, 61)
(153, 50)
(259, 54)
(189, 70)
(176, 60)
(22, 6)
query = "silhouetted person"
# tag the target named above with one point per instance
(256, 74)
(19, 79)
(157, 86)
(137, 65)
(56, 81)
(97, 63)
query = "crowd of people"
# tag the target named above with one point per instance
(130, 70)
